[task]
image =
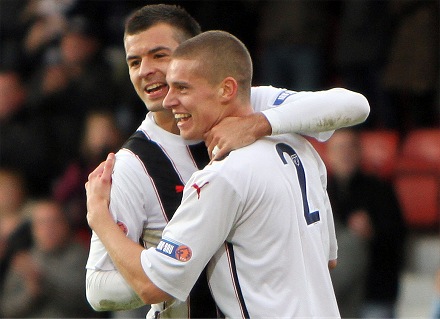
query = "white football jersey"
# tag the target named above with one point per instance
(262, 219)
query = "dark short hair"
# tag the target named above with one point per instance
(174, 15)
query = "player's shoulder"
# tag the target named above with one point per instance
(125, 158)
(265, 91)
(238, 160)
(263, 97)
(128, 166)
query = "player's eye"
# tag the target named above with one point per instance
(134, 63)
(161, 55)
(182, 88)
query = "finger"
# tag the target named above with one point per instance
(217, 156)
(215, 150)
(221, 152)
(332, 264)
(109, 164)
(108, 168)
(210, 143)
(210, 147)
(97, 171)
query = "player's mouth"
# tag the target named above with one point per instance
(156, 89)
(182, 117)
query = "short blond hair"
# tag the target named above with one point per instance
(220, 55)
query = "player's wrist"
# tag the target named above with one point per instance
(98, 213)
(262, 125)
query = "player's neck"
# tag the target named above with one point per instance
(166, 121)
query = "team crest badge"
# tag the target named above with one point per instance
(183, 253)
(122, 227)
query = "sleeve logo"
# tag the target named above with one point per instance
(282, 97)
(199, 188)
(174, 250)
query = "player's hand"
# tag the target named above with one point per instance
(98, 192)
(236, 132)
(332, 264)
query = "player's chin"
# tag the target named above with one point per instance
(189, 135)
(156, 108)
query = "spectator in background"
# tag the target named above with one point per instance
(12, 198)
(44, 22)
(411, 75)
(370, 223)
(12, 33)
(22, 146)
(293, 41)
(47, 281)
(74, 79)
(100, 135)
(13, 236)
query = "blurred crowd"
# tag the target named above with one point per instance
(66, 101)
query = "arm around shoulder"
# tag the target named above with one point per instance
(320, 111)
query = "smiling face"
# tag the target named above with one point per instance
(195, 102)
(209, 78)
(148, 54)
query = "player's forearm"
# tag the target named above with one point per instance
(108, 291)
(125, 254)
(319, 112)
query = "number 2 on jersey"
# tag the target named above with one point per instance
(311, 217)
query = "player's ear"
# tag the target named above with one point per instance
(228, 88)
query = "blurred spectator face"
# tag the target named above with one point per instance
(11, 192)
(12, 94)
(80, 42)
(78, 48)
(101, 131)
(343, 153)
(50, 227)
(101, 135)
(12, 197)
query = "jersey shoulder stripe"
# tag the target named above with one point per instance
(160, 168)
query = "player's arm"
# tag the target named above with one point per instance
(333, 244)
(124, 253)
(106, 289)
(280, 111)
(320, 111)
